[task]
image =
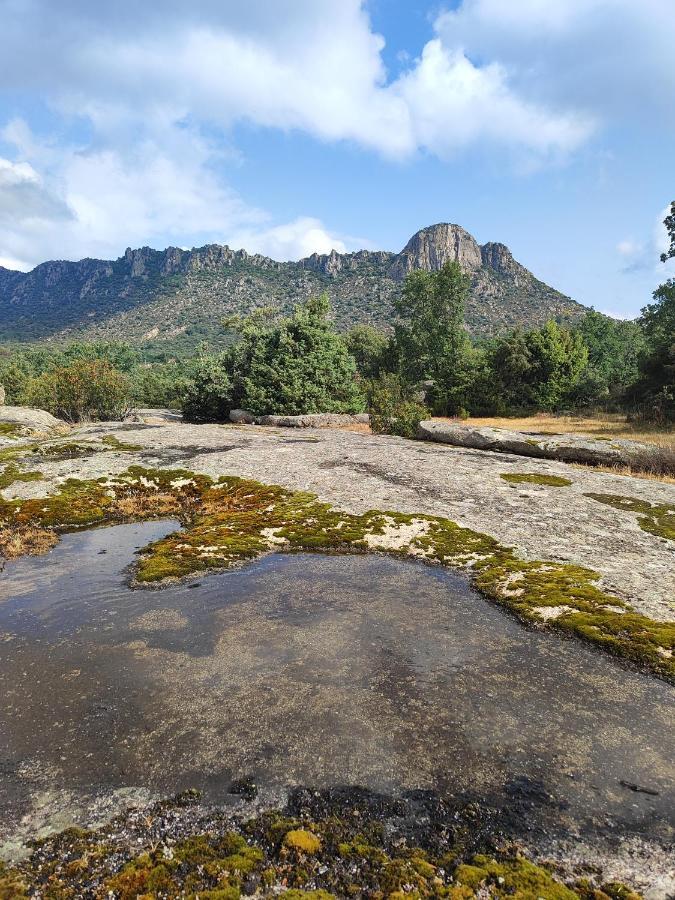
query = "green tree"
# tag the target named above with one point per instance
(669, 222)
(287, 366)
(208, 395)
(655, 388)
(615, 349)
(430, 337)
(538, 369)
(392, 407)
(370, 348)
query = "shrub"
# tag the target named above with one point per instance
(208, 397)
(287, 366)
(392, 409)
(81, 392)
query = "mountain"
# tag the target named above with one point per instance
(175, 298)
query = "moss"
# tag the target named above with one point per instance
(12, 473)
(656, 518)
(302, 841)
(232, 520)
(10, 430)
(209, 865)
(121, 446)
(533, 478)
(517, 878)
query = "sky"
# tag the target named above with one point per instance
(293, 126)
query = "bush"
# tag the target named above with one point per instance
(84, 391)
(392, 410)
(208, 397)
(289, 366)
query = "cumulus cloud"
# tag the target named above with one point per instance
(294, 240)
(145, 82)
(609, 59)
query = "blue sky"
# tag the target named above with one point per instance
(302, 125)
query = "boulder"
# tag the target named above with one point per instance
(242, 417)
(574, 448)
(2, 395)
(31, 421)
(314, 420)
(153, 416)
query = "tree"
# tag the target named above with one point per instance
(430, 337)
(538, 369)
(655, 389)
(669, 222)
(287, 366)
(615, 349)
(370, 348)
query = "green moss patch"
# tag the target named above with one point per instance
(12, 473)
(656, 518)
(352, 856)
(10, 430)
(534, 478)
(232, 520)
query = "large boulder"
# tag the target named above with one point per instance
(314, 420)
(574, 448)
(153, 416)
(31, 421)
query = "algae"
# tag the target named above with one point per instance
(534, 478)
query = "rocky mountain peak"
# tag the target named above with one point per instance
(430, 248)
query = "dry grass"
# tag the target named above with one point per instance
(627, 470)
(602, 425)
(29, 540)
(134, 506)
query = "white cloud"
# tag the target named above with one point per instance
(612, 59)
(628, 248)
(294, 240)
(146, 82)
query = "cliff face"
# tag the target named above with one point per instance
(174, 294)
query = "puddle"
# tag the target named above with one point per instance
(311, 670)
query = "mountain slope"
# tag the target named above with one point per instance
(178, 297)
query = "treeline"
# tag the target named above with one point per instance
(90, 380)
(429, 364)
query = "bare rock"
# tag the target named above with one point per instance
(32, 421)
(242, 417)
(314, 420)
(563, 447)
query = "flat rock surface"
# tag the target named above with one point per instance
(356, 472)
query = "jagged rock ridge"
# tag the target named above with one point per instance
(177, 296)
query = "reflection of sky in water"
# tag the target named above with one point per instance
(320, 670)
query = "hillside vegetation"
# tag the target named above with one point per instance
(174, 299)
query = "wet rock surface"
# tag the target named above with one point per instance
(331, 672)
(356, 472)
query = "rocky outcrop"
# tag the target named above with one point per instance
(32, 421)
(314, 420)
(431, 248)
(155, 292)
(572, 448)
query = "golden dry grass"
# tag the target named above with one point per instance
(29, 540)
(602, 425)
